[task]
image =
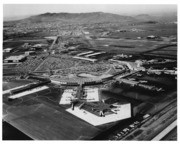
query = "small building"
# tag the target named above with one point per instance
(86, 32)
(122, 30)
(35, 48)
(45, 50)
(26, 45)
(130, 65)
(39, 45)
(53, 52)
(151, 37)
(122, 56)
(15, 59)
(139, 63)
(130, 82)
(71, 48)
(29, 53)
(8, 50)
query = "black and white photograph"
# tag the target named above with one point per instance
(89, 72)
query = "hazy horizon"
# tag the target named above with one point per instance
(20, 10)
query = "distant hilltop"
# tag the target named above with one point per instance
(94, 17)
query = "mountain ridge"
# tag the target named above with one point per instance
(94, 17)
(91, 17)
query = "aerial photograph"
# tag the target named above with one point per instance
(94, 72)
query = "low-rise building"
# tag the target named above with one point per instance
(151, 37)
(84, 53)
(139, 63)
(29, 53)
(130, 82)
(84, 58)
(39, 45)
(8, 50)
(130, 65)
(93, 54)
(15, 59)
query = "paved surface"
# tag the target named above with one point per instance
(165, 131)
(171, 136)
(40, 116)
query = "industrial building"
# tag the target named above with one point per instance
(130, 65)
(8, 50)
(39, 45)
(15, 59)
(68, 95)
(84, 53)
(93, 54)
(130, 82)
(123, 111)
(27, 89)
(27, 92)
(151, 37)
(29, 53)
(84, 58)
(87, 55)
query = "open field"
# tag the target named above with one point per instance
(140, 30)
(128, 46)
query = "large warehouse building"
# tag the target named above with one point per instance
(15, 59)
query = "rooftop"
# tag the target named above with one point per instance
(8, 48)
(19, 57)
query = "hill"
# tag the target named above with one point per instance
(144, 17)
(95, 17)
(159, 17)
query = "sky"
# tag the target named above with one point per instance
(12, 10)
